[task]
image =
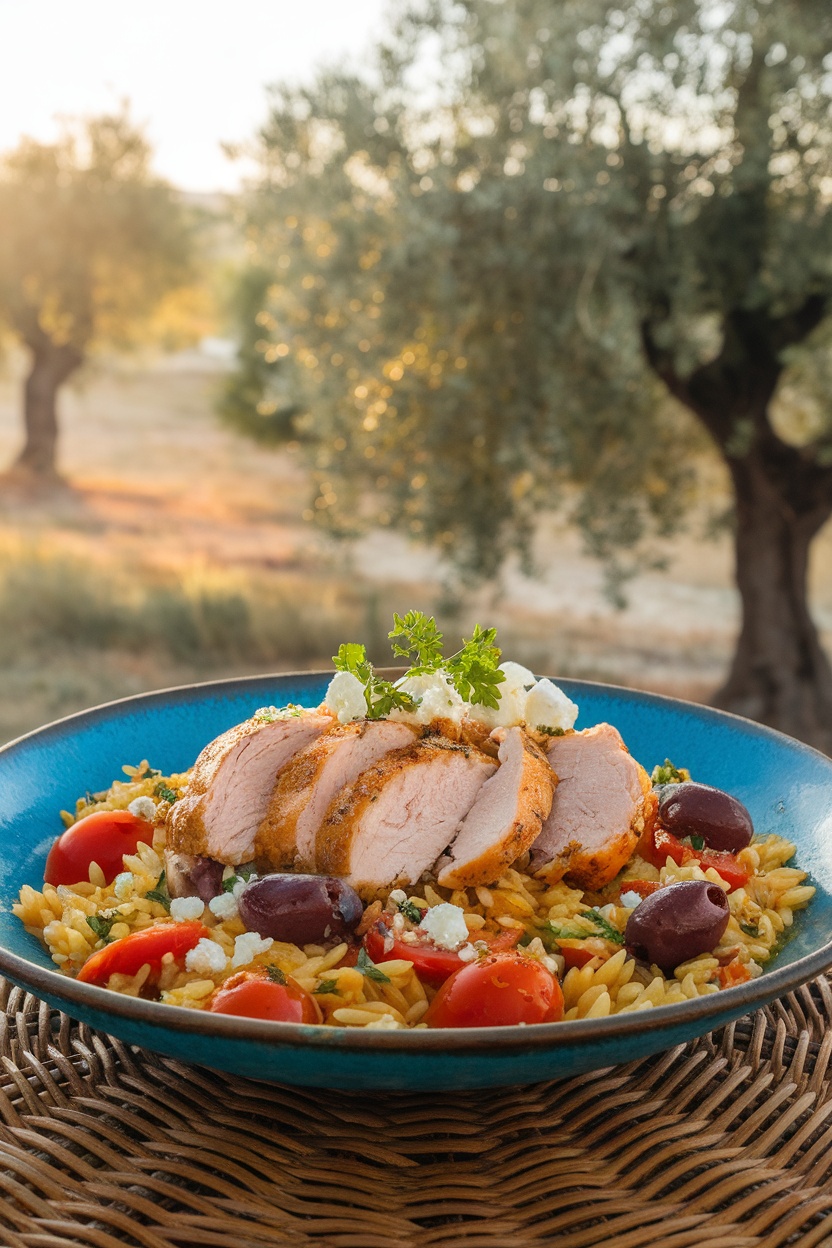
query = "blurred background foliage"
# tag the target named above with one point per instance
(534, 271)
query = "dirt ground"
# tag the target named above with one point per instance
(158, 487)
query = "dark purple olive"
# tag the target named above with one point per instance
(677, 923)
(300, 909)
(692, 809)
(190, 875)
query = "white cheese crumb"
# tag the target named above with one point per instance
(631, 899)
(207, 958)
(513, 695)
(437, 698)
(345, 697)
(249, 946)
(143, 808)
(123, 886)
(182, 908)
(445, 925)
(467, 953)
(241, 885)
(398, 895)
(547, 706)
(224, 906)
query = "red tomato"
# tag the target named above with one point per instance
(662, 845)
(252, 994)
(103, 837)
(734, 973)
(128, 955)
(431, 964)
(579, 952)
(503, 989)
(644, 888)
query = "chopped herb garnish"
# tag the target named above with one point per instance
(160, 893)
(550, 933)
(276, 975)
(270, 714)
(411, 911)
(606, 929)
(166, 794)
(243, 876)
(381, 695)
(666, 773)
(368, 967)
(101, 924)
(750, 929)
(326, 985)
(149, 773)
(697, 842)
(550, 732)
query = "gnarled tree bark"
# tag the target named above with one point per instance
(52, 364)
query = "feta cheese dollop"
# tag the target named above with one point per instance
(436, 696)
(143, 808)
(345, 697)
(206, 957)
(548, 707)
(445, 925)
(184, 908)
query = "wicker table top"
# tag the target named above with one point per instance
(724, 1142)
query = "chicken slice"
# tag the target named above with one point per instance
(507, 816)
(392, 824)
(601, 806)
(232, 782)
(310, 781)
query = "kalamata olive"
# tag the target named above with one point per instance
(692, 809)
(191, 875)
(300, 909)
(677, 923)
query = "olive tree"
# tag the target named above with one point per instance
(90, 240)
(543, 254)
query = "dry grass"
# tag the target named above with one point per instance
(178, 553)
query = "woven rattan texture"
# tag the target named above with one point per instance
(725, 1142)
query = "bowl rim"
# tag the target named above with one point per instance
(739, 999)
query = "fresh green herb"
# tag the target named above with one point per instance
(368, 967)
(697, 842)
(411, 911)
(149, 773)
(270, 714)
(550, 732)
(381, 695)
(243, 876)
(473, 670)
(666, 773)
(166, 794)
(606, 929)
(422, 642)
(326, 985)
(160, 893)
(550, 933)
(750, 929)
(275, 975)
(101, 924)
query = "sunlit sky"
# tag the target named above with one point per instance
(193, 70)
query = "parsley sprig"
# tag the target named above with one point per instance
(160, 893)
(381, 696)
(367, 966)
(101, 924)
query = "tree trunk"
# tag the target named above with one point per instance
(780, 674)
(52, 364)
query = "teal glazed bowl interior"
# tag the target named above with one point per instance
(786, 786)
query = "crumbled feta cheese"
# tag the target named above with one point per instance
(241, 885)
(398, 895)
(206, 957)
(547, 706)
(384, 1022)
(224, 906)
(143, 808)
(436, 696)
(445, 925)
(467, 953)
(631, 899)
(182, 908)
(512, 694)
(123, 886)
(346, 698)
(249, 946)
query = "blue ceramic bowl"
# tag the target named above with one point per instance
(786, 786)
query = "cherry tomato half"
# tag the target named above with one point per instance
(579, 952)
(252, 994)
(431, 964)
(104, 837)
(660, 845)
(128, 955)
(503, 989)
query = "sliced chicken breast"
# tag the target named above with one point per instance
(308, 783)
(392, 824)
(600, 808)
(232, 782)
(507, 816)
